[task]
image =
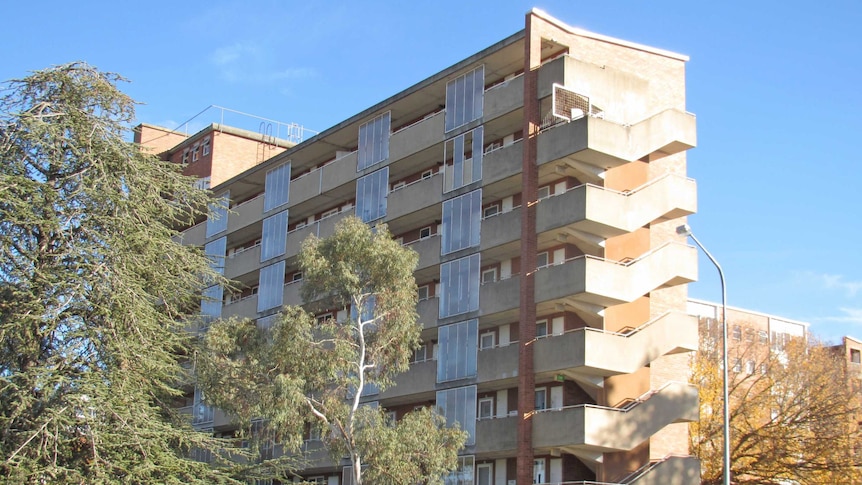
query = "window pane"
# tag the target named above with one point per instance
(215, 251)
(463, 159)
(459, 406)
(458, 350)
(461, 218)
(274, 236)
(465, 98)
(459, 285)
(211, 303)
(373, 141)
(371, 194)
(217, 218)
(276, 191)
(271, 287)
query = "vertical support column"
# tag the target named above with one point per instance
(529, 188)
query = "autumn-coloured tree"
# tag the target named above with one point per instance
(303, 373)
(792, 412)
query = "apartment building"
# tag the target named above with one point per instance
(214, 154)
(541, 181)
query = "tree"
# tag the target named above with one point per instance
(792, 412)
(304, 372)
(93, 290)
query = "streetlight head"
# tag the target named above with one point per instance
(684, 230)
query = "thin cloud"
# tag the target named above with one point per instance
(249, 63)
(835, 282)
(851, 315)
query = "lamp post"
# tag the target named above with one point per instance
(685, 230)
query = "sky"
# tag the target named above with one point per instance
(775, 86)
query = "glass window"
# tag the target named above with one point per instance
(462, 217)
(487, 340)
(196, 153)
(541, 399)
(484, 474)
(457, 351)
(211, 303)
(422, 292)
(186, 156)
(459, 406)
(541, 328)
(371, 192)
(459, 286)
(270, 293)
(206, 146)
(217, 218)
(274, 239)
(489, 275)
(277, 187)
(541, 259)
(215, 251)
(855, 356)
(373, 141)
(463, 475)
(463, 160)
(486, 408)
(465, 98)
(737, 332)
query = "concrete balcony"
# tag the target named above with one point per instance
(428, 310)
(598, 353)
(242, 263)
(245, 214)
(502, 163)
(321, 228)
(417, 137)
(335, 174)
(195, 235)
(428, 250)
(292, 294)
(604, 144)
(246, 308)
(672, 470)
(606, 213)
(597, 281)
(606, 283)
(412, 198)
(503, 98)
(421, 377)
(602, 429)
(497, 364)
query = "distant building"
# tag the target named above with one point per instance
(541, 181)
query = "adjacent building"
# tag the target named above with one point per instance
(541, 181)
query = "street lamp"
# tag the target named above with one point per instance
(685, 230)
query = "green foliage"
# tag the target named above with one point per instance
(93, 289)
(303, 374)
(792, 420)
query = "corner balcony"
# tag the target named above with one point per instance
(599, 353)
(605, 429)
(591, 429)
(597, 281)
(605, 144)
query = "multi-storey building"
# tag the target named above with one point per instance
(541, 181)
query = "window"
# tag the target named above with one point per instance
(459, 406)
(196, 153)
(186, 156)
(750, 366)
(543, 192)
(749, 335)
(215, 252)
(276, 187)
(217, 218)
(420, 354)
(855, 356)
(390, 419)
(461, 222)
(371, 192)
(762, 336)
(484, 474)
(487, 340)
(329, 213)
(427, 174)
(542, 259)
(373, 141)
(541, 399)
(486, 408)
(463, 160)
(465, 98)
(764, 368)
(491, 210)
(457, 351)
(459, 286)
(489, 275)
(274, 239)
(398, 185)
(737, 365)
(463, 475)
(206, 146)
(425, 233)
(271, 288)
(422, 292)
(202, 412)
(211, 303)
(737, 332)
(296, 276)
(541, 328)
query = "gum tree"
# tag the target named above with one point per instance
(303, 374)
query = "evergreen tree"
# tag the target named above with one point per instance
(93, 290)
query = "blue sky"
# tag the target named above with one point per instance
(775, 86)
